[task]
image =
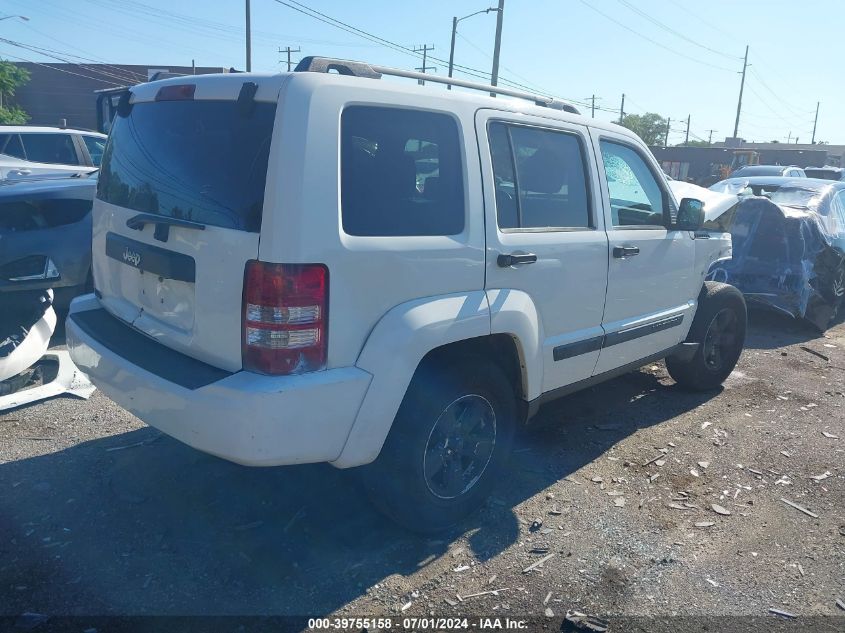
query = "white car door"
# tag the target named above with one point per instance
(652, 282)
(546, 245)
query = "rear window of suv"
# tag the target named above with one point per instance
(401, 172)
(203, 161)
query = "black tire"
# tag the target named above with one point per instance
(397, 482)
(833, 286)
(719, 329)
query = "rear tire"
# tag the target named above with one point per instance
(719, 329)
(448, 445)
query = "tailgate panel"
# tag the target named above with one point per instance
(185, 293)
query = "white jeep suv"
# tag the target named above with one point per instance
(329, 267)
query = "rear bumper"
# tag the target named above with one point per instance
(243, 417)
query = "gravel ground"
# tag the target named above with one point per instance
(614, 487)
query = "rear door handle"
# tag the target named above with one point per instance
(625, 251)
(514, 259)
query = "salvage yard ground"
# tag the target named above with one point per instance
(631, 498)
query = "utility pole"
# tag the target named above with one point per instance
(686, 140)
(789, 138)
(622, 109)
(593, 109)
(248, 40)
(455, 21)
(289, 50)
(666, 138)
(452, 49)
(497, 47)
(741, 88)
(710, 138)
(815, 121)
(424, 50)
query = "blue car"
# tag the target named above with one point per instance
(788, 244)
(45, 236)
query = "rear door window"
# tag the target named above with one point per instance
(541, 179)
(57, 149)
(401, 173)
(203, 161)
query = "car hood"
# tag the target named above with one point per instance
(715, 204)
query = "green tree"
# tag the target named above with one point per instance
(650, 127)
(11, 78)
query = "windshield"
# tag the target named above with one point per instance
(204, 161)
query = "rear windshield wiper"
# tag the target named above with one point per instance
(162, 224)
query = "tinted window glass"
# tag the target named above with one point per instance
(50, 148)
(635, 196)
(95, 146)
(10, 144)
(31, 215)
(549, 189)
(401, 172)
(204, 161)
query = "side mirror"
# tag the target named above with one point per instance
(690, 215)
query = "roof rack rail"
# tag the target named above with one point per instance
(361, 69)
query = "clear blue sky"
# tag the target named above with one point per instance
(563, 47)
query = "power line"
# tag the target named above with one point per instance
(669, 29)
(117, 30)
(792, 123)
(648, 39)
(126, 71)
(793, 110)
(62, 70)
(702, 20)
(198, 25)
(467, 70)
(49, 53)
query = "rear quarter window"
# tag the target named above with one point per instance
(401, 173)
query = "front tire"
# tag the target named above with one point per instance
(719, 329)
(448, 445)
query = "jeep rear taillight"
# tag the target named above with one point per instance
(285, 320)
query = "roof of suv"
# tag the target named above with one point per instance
(228, 85)
(36, 129)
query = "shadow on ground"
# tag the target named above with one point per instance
(139, 523)
(769, 329)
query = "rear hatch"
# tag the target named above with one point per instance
(179, 206)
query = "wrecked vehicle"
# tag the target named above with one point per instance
(45, 236)
(788, 245)
(28, 372)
